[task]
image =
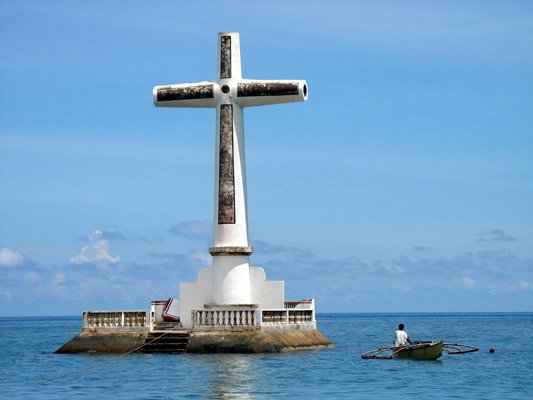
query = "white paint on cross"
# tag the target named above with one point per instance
(229, 93)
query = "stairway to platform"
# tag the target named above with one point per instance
(166, 341)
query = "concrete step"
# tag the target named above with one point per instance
(166, 342)
(161, 326)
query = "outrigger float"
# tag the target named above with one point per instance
(419, 351)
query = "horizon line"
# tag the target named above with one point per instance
(360, 313)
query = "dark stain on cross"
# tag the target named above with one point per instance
(225, 57)
(256, 89)
(170, 93)
(226, 176)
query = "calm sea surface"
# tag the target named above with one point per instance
(30, 370)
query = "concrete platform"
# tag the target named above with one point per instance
(100, 342)
(252, 341)
(256, 341)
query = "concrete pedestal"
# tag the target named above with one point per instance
(246, 341)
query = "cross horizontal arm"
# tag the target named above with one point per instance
(201, 94)
(261, 92)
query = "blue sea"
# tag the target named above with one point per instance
(30, 370)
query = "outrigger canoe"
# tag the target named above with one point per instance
(419, 351)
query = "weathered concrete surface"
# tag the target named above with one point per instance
(225, 57)
(103, 343)
(203, 342)
(226, 169)
(193, 92)
(256, 341)
(257, 89)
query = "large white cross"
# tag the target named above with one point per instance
(229, 93)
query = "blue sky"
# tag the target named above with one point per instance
(404, 183)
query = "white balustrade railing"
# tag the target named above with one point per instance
(274, 317)
(301, 317)
(296, 313)
(114, 319)
(287, 317)
(224, 318)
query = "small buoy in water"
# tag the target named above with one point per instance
(492, 351)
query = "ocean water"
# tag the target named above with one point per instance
(30, 370)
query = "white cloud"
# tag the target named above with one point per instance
(97, 251)
(510, 287)
(31, 277)
(57, 287)
(391, 266)
(524, 285)
(10, 258)
(501, 288)
(192, 230)
(468, 282)
(58, 279)
(201, 257)
(488, 280)
(5, 295)
(401, 288)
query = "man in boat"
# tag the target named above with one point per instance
(402, 338)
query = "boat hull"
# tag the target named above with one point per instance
(421, 351)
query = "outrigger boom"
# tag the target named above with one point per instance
(458, 348)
